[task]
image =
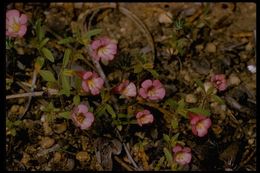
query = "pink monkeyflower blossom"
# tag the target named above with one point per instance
(81, 117)
(126, 88)
(182, 155)
(91, 82)
(16, 24)
(104, 49)
(144, 117)
(219, 81)
(199, 124)
(152, 90)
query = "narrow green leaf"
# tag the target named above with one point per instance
(172, 103)
(66, 57)
(92, 33)
(218, 99)
(47, 54)
(65, 85)
(168, 155)
(111, 111)
(47, 75)
(100, 110)
(175, 123)
(66, 40)
(174, 139)
(153, 72)
(200, 111)
(138, 68)
(39, 63)
(43, 42)
(181, 103)
(76, 99)
(200, 84)
(65, 115)
(166, 138)
(121, 115)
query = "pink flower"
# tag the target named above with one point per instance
(144, 117)
(81, 117)
(126, 89)
(199, 124)
(16, 24)
(182, 155)
(104, 49)
(91, 82)
(152, 90)
(219, 81)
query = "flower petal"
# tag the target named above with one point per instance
(23, 19)
(87, 121)
(157, 84)
(84, 85)
(87, 75)
(22, 31)
(177, 148)
(147, 83)
(12, 13)
(143, 93)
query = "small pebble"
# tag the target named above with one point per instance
(190, 98)
(56, 157)
(165, 18)
(251, 68)
(14, 109)
(46, 128)
(251, 141)
(47, 142)
(211, 48)
(82, 156)
(233, 80)
(60, 128)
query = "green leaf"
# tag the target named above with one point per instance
(181, 103)
(174, 139)
(200, 111)
(210, 90)
(76, 99)
(39, 30)
(110, 110)
(100, 110)
(66, 57)
(43, 42)
(172, 103)
(153, 72)
(175, 123)
(166, 138)
(121, 115)
(47, 54)
(218, 99)
(65, 85)
(47, 75)
(65, 115)
(17, 123)
(92, 33)
(66, 40)
(168, 156)
(138, 68)
(13, 132)
(200, 84)
(39, 63)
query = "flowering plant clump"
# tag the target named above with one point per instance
(81, 117)
(104, 49)
(144, 117)
(126, 89)
(199, 124)
(91, 82)
(152, 90)
(182, 155)
(16, 23)
(219, 81)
